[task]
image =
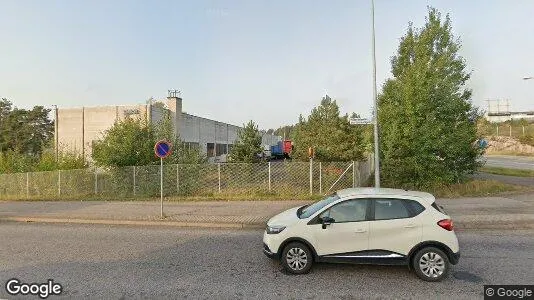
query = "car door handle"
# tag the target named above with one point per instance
(410, 226)
(360, 230)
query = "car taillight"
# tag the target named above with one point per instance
(446, 224)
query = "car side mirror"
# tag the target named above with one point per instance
(326, 221)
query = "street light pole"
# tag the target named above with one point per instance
(56, 144)
(375, 108)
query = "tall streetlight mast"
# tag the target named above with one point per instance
(375, 108)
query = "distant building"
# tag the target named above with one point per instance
(499, 111)
(78, 128)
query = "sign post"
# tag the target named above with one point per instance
(162, 149)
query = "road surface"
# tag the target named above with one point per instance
(513, 162)
(117, 262)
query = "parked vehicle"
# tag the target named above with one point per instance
(366, 226)
(282, 150)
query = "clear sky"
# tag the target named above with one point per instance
(238, 60)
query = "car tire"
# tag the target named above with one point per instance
(297, 258)
(431, 264)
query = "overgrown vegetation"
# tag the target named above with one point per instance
(427, 121)
(25, 138)
(331, 135)
(508, 171)
(475, 188)
(527, 140)
(130, 142)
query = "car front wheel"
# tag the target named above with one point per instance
(431, 264)
(297, 258)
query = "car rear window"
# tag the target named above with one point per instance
(438, 208)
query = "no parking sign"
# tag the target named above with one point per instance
(162, 149)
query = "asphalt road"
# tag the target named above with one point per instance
(111, 262)
(513, 162)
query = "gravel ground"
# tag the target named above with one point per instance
(118, 262)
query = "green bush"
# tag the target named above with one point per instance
(527, 140)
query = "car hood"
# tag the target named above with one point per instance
(285, 218)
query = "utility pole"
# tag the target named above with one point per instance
(375, 108)
(56, 144)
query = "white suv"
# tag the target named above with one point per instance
(369, 226)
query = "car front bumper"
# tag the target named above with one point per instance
(268, 253)
(271, 244)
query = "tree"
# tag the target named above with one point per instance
(131, 141)
(283, 131)
(24, 131)
(248, 144)
(427, 122)
(330, 134)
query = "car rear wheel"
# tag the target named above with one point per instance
(431, 264)
(297, 258)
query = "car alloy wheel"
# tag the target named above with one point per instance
(296, 259)
(432, 265)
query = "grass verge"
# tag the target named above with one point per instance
(477, 188)
(508, 171)
(510, 153)
(472, 188)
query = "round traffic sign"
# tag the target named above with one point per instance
(162, 149)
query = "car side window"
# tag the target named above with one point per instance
(347, 211)
(415, 207)
(386, 209)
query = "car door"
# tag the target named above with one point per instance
(394, 227)
(349, 232)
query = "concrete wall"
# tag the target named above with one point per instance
(203, 131)
(70, 129)
(78, 128)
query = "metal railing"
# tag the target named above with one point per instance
(276, 177)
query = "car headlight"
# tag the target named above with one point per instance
(275, 229)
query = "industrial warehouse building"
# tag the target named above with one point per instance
(78, 128)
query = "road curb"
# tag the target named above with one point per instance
(466, 225)
(135, 222)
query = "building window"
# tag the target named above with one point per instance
(210, 149)
(191, 145)
(221, 149)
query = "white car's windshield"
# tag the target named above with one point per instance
(309, 210)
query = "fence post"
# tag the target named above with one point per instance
(177, 179)
(28, 184)
(134, 183)
(523, 130)
(311, 176)
(353, 174)
(510, 130)
(497, 130)
(219, 171)
(96, 182)
(59, 182)
(269, 176)
(320, 178)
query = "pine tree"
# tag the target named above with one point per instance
(427, 121)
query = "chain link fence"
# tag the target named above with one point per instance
(240, 179)
(509, 130)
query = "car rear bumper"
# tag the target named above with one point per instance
(455, 257)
